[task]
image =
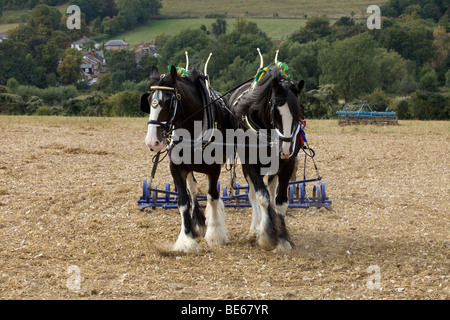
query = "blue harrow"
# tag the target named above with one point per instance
(238, 197)
(365, 115)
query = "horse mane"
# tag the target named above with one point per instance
(257, 101)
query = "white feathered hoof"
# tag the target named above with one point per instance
(216, 230)
(186, 243)
(216, 236)
(265, 241)
(283, 246)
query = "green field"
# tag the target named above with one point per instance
(267, 8)
(276, 29)
(12, 18)
(7, 26)
(191, 14)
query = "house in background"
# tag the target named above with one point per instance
(116, 45)
(79, 44)
(88, 70)
(3, 36)
(93, 64)
(145, 48)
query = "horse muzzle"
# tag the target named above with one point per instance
(152, 141)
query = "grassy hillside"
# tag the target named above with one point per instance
(275, 28)
(12, 18)
(267, 8)
(290, 15)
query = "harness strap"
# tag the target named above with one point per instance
(161, 88)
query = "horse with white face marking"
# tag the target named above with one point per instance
(271, 104)
(177, 102)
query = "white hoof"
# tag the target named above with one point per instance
(283, 246)
(186, 243)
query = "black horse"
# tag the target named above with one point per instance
(273, 104)
(177, 103)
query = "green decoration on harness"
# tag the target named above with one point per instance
(182, 72)
(283, 66)
(261, 73)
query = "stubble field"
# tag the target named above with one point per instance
(68, 211)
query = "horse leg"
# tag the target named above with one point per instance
(284, 177)
(294, 171)
(256, 213)
(272, 186)
(266, 233)
(185, 241)
(216, 231)
(272, 233)
(198, 219)
(281, 206)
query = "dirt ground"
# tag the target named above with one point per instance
(70, 226)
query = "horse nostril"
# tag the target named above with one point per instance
(285, 155)
(156, 143)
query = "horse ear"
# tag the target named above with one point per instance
(173, 73)
(154, 75)
(301, 85)
(275, 84)
(145, 105)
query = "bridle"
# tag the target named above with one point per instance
(295, 130)
(167, 126)
(292, 138)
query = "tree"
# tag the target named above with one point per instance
(124, 62)
(378, 100)
(115, 25)
(319, 25)
(403, 109)
(352, 65)
(302, 60)
(429, 82)
(447, 79)
(315, 28)
(427, 105)
(91, 9)
(243, 41)
(12, 58)
(441, 44)
(173, 48)
(138, 11)
(398, 74)
(413, 40)
(45, 20)
(432, 11)
(219, 27)
(321, 103)
(69, 69)
(48, 56)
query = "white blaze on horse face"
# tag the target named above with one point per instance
(286, 120)
(151, 140)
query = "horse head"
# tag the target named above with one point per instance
(274, 103)
(286, 113)
(162, 103)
